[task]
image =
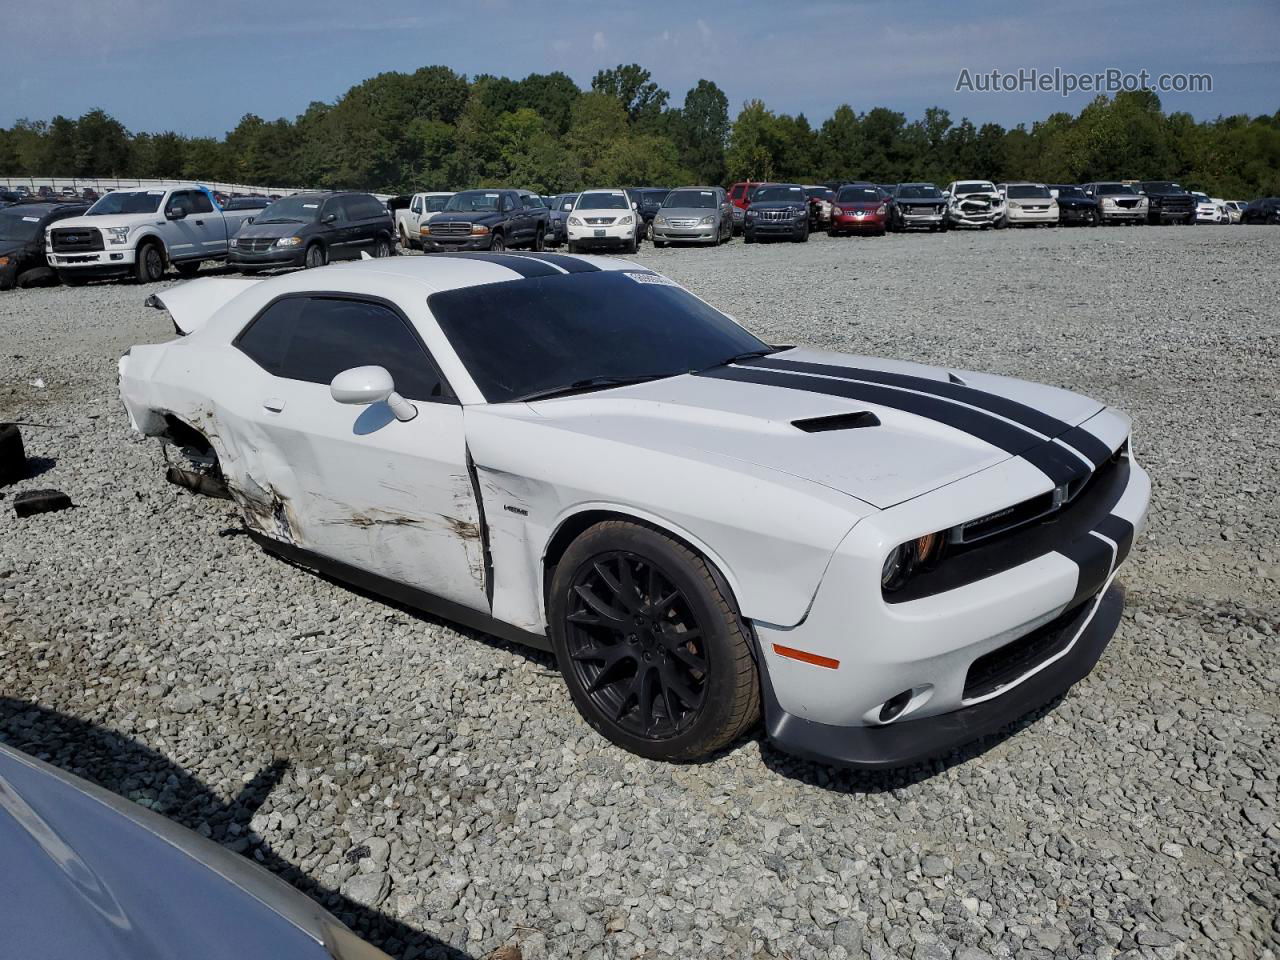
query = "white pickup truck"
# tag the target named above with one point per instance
(421, 209)
(138, 233)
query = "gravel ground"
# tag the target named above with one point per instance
(438, 790)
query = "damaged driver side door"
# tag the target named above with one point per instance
(391, 497)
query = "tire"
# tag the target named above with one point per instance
(13, 459)
(573, 247)
(632, 680)
(497, 244)
(150, 264)
(1094, 218)
(316, 256)
(648, 231)
(632, 246)
(404, 239)
(188, 269)
(804, 237)
(381, 248)
(747, 238)
(540, 239)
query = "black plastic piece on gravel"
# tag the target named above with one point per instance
(13, 459)
(31, 502)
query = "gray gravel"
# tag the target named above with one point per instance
(438, 789)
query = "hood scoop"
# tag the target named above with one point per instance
(837, 421)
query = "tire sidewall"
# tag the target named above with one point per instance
(718, 634)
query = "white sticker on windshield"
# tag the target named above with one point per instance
(310, 206)
(31, 219)
(705, 193)
(491, 196)
(650, 278)
(155, 193)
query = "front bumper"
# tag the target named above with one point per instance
(1076, 214)
(872, 221)
(938, 646)
(274, 257)
(611, 235)
(432, 245)
(910, 218)
(695, 234)
(1108, 214)
(1018, 216)
(755, 227)
(99, 263)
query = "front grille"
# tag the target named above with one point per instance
(255, 244)
(600, 221)
(1127, 204)
(775, 216)
(922, 211)
(975, 206)
(450, 228)
(76, 239)
(996, 670)
(682, 224)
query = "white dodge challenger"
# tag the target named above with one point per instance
(885, 560)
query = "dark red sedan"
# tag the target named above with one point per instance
(858, 208)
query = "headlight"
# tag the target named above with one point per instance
(626, 221)
(906, 558)
(706, 221)
(424, 230)
(575, 222)
(750, 213)
(837, 212)
(1108, 202)
(1014, 204)
(1142, 202)
(4, 261)
(800, 212)
(479, 230)
(118, 234)
(288, 241)
(232, 242)
(882, 209)
(659, 219)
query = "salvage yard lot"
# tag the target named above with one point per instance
(444, 783)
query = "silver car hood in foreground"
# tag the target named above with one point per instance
(87, 874)
(903, 457)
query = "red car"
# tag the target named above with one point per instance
(858, 208)
(740, 197)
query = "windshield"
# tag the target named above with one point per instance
(1161, 186)
(473, 201)
(436, 204)
(976, 186)
(1070, 192)
(686, 199)
(1111, 189)
(1027, 191)
(919, 191)
(143, 201)
(779, 195)
(19, 224)
(858, 195)
(526, 336)
(602, 201)
(291, 210)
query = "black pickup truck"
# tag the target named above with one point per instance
(1167, 202)
(487, 220)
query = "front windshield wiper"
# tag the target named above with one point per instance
(585, 385)
(280, 220)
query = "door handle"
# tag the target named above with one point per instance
(199, 223)
(273, 405)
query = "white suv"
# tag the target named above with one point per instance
(604, 218)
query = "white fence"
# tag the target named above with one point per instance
(103, 184)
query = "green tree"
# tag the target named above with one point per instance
(633, 87)
(101, 146)
(702, 132)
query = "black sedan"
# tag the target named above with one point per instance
(22, 225)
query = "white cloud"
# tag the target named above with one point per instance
(598, 42)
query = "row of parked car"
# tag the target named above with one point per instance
(139, 233)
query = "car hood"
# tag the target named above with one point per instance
(271, 230)
(978, 195)
(778, 204)
(751, 418)
(119, 882)
(102, 221)
(918, 201)
(463, 217)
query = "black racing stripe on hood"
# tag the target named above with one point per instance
(1054, 461)
(563, 261)
(1093, 449)
(525, 267)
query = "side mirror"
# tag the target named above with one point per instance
(329, 218)
(634, 205)
(248, 219)
(178, 212)
(362, 386)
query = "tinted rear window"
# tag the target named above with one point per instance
(522, 336)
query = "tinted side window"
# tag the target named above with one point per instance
(200, 202)
(533, 202)
(315, 338)
(334, 205)
(365, 208)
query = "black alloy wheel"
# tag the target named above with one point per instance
(381, 248)
(315, 256)
(636, 646)
(653, 651)
(497, 244)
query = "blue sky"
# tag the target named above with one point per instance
(197, 67)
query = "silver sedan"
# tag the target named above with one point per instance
(694, 215)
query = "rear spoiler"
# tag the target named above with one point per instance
(191, 304)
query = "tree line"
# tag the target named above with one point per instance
(436, 129)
